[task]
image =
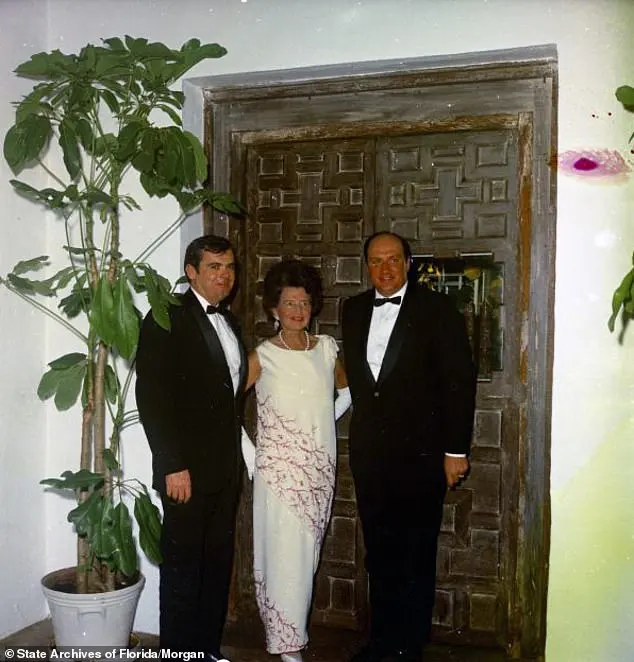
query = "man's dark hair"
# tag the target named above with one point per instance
(407, 251)
(208, 242)
(292, 273)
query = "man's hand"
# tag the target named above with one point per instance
(455, 469)
(179, 486)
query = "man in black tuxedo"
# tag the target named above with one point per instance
(189, 389)
(412, 381)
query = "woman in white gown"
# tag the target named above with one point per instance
(295, 375)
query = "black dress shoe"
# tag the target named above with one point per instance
(373, 651)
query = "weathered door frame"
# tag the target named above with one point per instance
(521, 81)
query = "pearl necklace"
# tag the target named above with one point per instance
(281, 335)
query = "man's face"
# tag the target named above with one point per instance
(387, 265)
(214, 277)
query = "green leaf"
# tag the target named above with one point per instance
(625, 94)
(159, 297)
(188, 201)
(210, 51)
(127, 320)
(88, 56)
(110, 460)
(78, 480)
(64, 380)
(620, 296)
(129, 202)
(124, 552)
(102, 311)
(28, 286)
(148, 518)
(15, 148)
(64, 277)
(34, 103)
(96, 197)
(69, 387)
(111, 101)
(191, 45)
(69, 143)
(46, 65)
(105, 144)
(169, 161)
(128, 140)
(80, 96)
(78, 301)
(145, 158)
(224, 202)
(25, 141)
(115, 44)
(199, 156)
(47, 287)
(67, 361)
(150, 185)
(185, 172)
(48, 384)
(87, 516)
(52, 198)
(84, 131)
(135, 46)
(144, 162)
(34, 264)
(111, 385)
(25, 189)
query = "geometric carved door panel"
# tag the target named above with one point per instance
(450, 194)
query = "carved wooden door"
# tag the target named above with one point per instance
(454, 195)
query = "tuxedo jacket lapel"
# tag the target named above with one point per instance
(364, 331)
(216, 352)
(399, 333)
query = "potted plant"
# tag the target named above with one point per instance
(98, 110)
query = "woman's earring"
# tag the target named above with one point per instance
(276, 324)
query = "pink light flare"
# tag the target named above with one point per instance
(597, 163)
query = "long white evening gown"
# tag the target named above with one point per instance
(293, 484)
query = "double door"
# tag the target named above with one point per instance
(455, 195)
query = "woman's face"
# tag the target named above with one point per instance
(293, 309)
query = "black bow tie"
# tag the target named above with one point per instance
(212, 310)
(383, 300)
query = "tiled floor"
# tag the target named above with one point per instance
(327, 645)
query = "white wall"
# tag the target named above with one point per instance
(22, 342)
(591, 576)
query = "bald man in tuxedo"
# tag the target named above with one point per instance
(412, 381)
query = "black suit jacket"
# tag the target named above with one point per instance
(186, 399)
(423, 400)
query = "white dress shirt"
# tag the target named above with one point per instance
(381, 327)
(227, 339)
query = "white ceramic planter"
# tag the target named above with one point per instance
(94, 619)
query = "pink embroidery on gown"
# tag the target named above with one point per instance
(299, 473)
(281, 633)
